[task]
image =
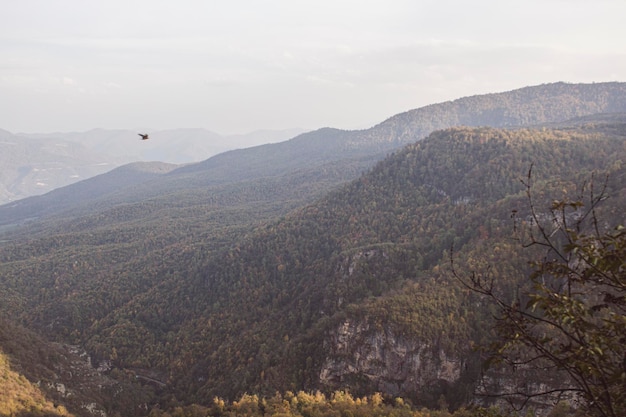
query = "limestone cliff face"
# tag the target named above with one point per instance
(376, 358)
(385, 361)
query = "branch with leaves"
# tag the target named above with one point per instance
(573, 319)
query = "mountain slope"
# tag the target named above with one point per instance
(96, 188)
(309, 300)
(316, 276)
(41, 378)
(522, 107)
(349, 153)
(216, 284)
(33, 164)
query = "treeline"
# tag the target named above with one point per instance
(337, 404)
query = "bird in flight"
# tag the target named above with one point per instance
(144, 136)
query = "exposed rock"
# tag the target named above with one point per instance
(378, 359)
(390, 363)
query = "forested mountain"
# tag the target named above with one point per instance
(39, 378)
(349, 291)
(174, 146)
(83, 192)
(312, 162)
(33, 164)
(257, 271)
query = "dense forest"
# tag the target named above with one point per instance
(225, 293)
(374, 251)
(40, 378)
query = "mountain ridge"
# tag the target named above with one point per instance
(341, 259)
(550, 103)
(33, 164)
(277, 282)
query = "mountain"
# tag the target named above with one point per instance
(327, 157)
(41, 378)
(339, 293)
(210, 280)
(33, 164)
(95, 188)
(175, 146)
(524, 107)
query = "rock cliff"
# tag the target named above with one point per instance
(381, 360)
(376, 359)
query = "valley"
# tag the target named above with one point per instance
(317, 264)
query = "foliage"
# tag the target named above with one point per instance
(223, 290)
(42, 378)
(303, 404)
(573, 318)
(18, 396)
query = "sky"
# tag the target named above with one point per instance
(238, 66)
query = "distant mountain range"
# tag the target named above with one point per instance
(339, 154)
(315, 263)
(33, 164)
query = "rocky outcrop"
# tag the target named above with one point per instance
(385, 361)
(377, 359)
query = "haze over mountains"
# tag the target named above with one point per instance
(357, 149)
(33, 164)
(314, 263)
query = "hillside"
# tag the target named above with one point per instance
(364, 258)
(312, 163)
(173, 146)
(347, 291)
(527, 106)
(34, 164)
(40, 378)
(71, 197)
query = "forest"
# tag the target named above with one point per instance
(225, 302)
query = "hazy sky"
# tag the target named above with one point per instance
(233, 66)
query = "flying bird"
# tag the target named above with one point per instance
(144, 136)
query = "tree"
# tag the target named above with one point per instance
(572, 317)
